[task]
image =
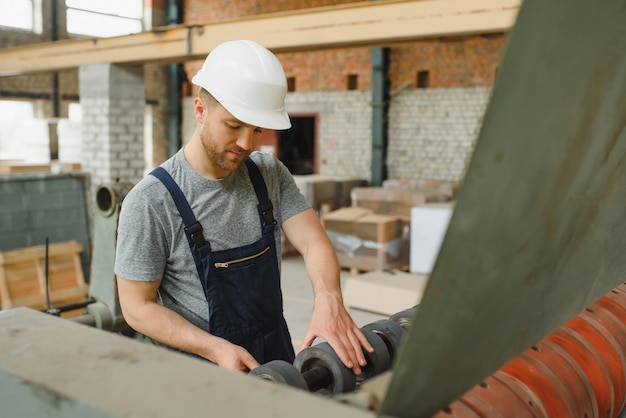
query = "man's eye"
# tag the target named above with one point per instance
(233, 126)
(258, 130)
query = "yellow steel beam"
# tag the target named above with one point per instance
(359, 24)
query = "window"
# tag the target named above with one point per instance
(69, 134)
(22, 135)
(352, 82)
(423, 79)
(104, 18)
(21, 14)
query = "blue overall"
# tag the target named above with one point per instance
(241, 285)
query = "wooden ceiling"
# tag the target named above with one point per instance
(368, 24)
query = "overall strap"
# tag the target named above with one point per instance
(193, 229)
(265, 207)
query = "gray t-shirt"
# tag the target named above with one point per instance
(151, 242)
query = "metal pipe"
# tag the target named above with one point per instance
(380, 105)
(174, 89)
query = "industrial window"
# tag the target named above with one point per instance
(23, 136)
(353, 82)
(21, 14)
(291, 84)
(104, 18)
(423, 79)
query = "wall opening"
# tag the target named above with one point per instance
(352, 82)
(423, 79)
(296, 146)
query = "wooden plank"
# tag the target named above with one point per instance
(58, 297)
(359, 24)
(23, 276)
(39, 251)
(23, 168)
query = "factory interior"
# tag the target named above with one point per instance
(465, 159)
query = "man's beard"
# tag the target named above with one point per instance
(218, 157)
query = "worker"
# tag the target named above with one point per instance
(198, 248)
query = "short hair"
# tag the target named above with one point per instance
(207, 97)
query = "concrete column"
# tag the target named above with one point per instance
(113, 102)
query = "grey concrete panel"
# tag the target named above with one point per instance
(57, 368)
(539, 230)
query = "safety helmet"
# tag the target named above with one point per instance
(249, 81)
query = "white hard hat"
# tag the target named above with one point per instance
(248, 80)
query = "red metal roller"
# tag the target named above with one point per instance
(603, 312)
(494, 399)
(610, 351)
(621, 287)
(542, 382)
(592, 366)
(578, 371)
(529, 398)
(457, 409)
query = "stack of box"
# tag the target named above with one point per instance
(367, 241)
(325, 194)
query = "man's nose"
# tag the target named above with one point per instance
(246, 139)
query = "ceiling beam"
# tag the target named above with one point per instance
(358, 24)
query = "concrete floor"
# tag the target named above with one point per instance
(298, 299)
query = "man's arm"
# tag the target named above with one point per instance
(330, 319)
(141, 311)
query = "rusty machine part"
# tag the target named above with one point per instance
(577, 371)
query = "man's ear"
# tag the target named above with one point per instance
(198, 109)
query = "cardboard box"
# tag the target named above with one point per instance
(387, 201)
(397, 201)
(377, 227)
(429, 224)
(367, 241)
(327, 193)
(384, 292)
(342, 220)
(435, 190)
(318, 191)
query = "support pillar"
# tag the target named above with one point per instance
(113, 101)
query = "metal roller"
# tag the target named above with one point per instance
(405, 318)
(282, 372)
(390, 332)
(377, 362)
(322, 355)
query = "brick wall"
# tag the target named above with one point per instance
(321, 81)
(203, 11)
(344, 130)
(112, 129)
(432, 130)
(451, 62)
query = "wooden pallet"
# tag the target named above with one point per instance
(23, 276)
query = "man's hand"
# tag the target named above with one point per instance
(233, 357)
(333, 323)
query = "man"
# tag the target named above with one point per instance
(198, 255)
